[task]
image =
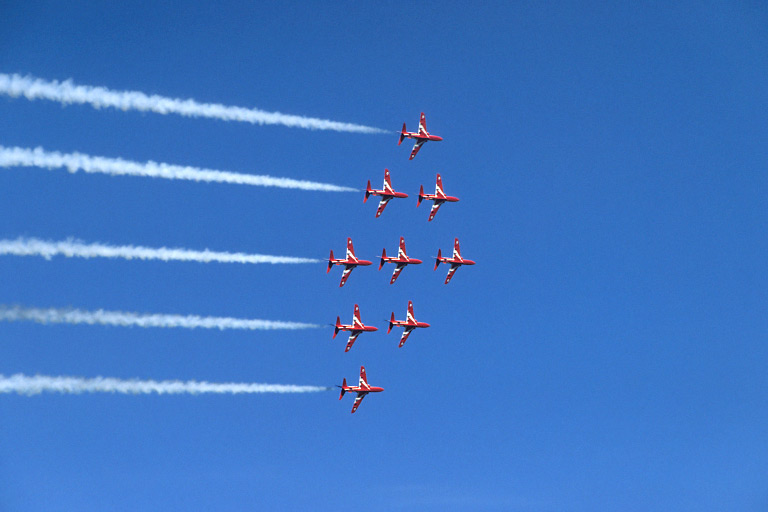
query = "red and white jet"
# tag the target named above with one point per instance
(386, 193)
(355, 328)
(350, 262)
(421, 136)
(438, 197)
(456, 261)
(409, 323)
(401, 260)
(362, 389)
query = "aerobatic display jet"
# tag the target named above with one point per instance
(456, 261)
(401, 260)
(349, 262)
(421, 136)
(354, 329)
(362, 389)
(386, 193)
(438, 197)
(409, 323)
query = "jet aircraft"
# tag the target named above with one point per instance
(386, 193)
(438, 197)
(349, 262)
(456, 261)
(355, 328)
(401, 260)
(362, 389)
(409, 323)
(421, 136)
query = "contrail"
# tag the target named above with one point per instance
(67, 92)
(26, 385)
(124, 319)
(76, 249)
(73, 162)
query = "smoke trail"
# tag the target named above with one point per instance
(76, 249)
(73, 162)
(67, 92)
(26, 385)
(120, 318)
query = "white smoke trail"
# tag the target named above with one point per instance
(99, 97)
(26, 385)
(124, 319)
(76, 249)
(73, 162)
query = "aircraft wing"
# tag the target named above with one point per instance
(451, 271)
(399, 268)
(345, 274)
(423, 124)
(433, 212)
(352, 337)
(360, 396)
(406, 333)
(382, 205)
(416, 148)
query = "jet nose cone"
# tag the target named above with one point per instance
(364, 263)
(424, 324)
(436, 137)
(373, 328)
(415, 261)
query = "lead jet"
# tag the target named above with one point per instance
(386, 193)
(409, 323)
(401, 260)
(438, 197)
(456, 261)
(355, 328)
(362, 389)
(350, 262)
(421, 136)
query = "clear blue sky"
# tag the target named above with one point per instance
(607, 352)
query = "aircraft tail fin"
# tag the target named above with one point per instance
(421, 195)
(391, 322)
(330, 262)
(343, 389)
(402, 135)
(437, 260)
(383, 255)
(367, 191)
(336, 327)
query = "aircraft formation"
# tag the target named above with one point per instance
(388, 193)
(350, 262)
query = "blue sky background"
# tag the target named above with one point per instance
(607, 352)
